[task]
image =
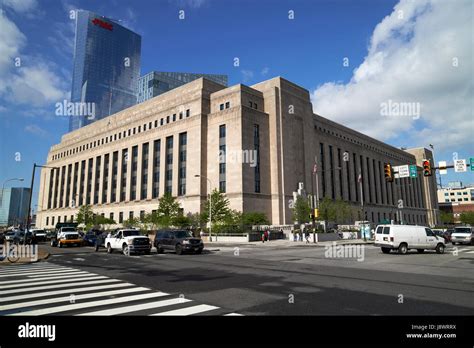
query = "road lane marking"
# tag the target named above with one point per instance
(75, 271)
(233, 314)
(29, 280)
(67, 291)
(33, 273)
(71, 307)
(135, 308)
(68, 298)
(84, 277)
(56, 286)
(79, 259)
(35, 270)
(9, 269)
(190, 310)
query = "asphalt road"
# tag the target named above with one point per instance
(296, 280)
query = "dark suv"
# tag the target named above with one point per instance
(177, 240)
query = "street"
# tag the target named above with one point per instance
(252, 279)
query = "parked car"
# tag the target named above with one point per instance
(2, 237)
(90, 237)
(403, 238)
(40, 235)
(128, 241)
(61, 235)
(12, 236)
(442, 234)
(462, 235)
(178, 240)
(69, 239)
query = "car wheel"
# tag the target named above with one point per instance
(402, 249)
(386, 250)
(199, 251)
(179, 249)
(109, 249)
(126, 250)
(454, 243)
(159, 249)
(420, 251)
(440, 248)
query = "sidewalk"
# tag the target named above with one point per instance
(284, 243)
(42, 255)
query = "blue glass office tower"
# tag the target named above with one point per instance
(14, 205)
(158, 82)
(106, 67)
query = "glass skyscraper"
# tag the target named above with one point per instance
(14, 206)
(106, 68)
(158, 82)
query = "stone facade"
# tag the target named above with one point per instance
(115, 166)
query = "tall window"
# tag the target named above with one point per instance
(222, 158)
(363, 177)
(169, 165)
(105, 181)
(256, 147)
(144, 186)
(356, 176)
(339, 170)
(183, 141)
(97, 179)
(156, 168)
(369, 181)
(133, 184)
(332, 173)
(82, 182)
(323, 168)
(123, 179)
(348, 176)
(114, 176)
(89, 180)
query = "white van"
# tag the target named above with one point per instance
(406, 237)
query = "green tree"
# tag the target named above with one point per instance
(301, 210)
(220, 208)
(446, 218)
(327, 210)
(342, 211)
(254, 218)
(103, 222)
(131, 222)
(181, 221)
(168, 209)
(85, 215)
(467, 218)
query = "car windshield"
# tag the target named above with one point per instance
(11, 233)
(129, 233)
(462, 230)
(183, 234)
(68, 229)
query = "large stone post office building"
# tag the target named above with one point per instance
(123, 163)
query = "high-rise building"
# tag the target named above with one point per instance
(106, 68)
(257, 144)
(157, 82)
(14, 205)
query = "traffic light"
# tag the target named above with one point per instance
(426, 167)
(316, 213)
(387, 168)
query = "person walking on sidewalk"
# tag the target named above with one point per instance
(306, 235)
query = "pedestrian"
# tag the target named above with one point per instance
(263, 237)
(269, 231)
(307, 236)
(265, 234)
(293, 232)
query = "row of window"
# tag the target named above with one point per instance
(131, 131)
(226, 106)
(337, 177)
(406, 218)
(89, 190)
(457, 193)
(459, 200)
(360, 143)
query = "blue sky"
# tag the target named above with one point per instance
(308, 50)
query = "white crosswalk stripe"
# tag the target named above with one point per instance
(49, 289)
(190, 310)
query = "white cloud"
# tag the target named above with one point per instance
(36, 130)
(20, 6)
(191, 3)
(265, 70)
(33, 83)
(410, 59)
(247, 75)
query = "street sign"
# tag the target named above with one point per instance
(413, 171)
(442, 167)
(460, 165)
(471, 163)
(395, 172)
(404, 171)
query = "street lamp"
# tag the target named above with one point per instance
(210, 203)
(31, 192)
